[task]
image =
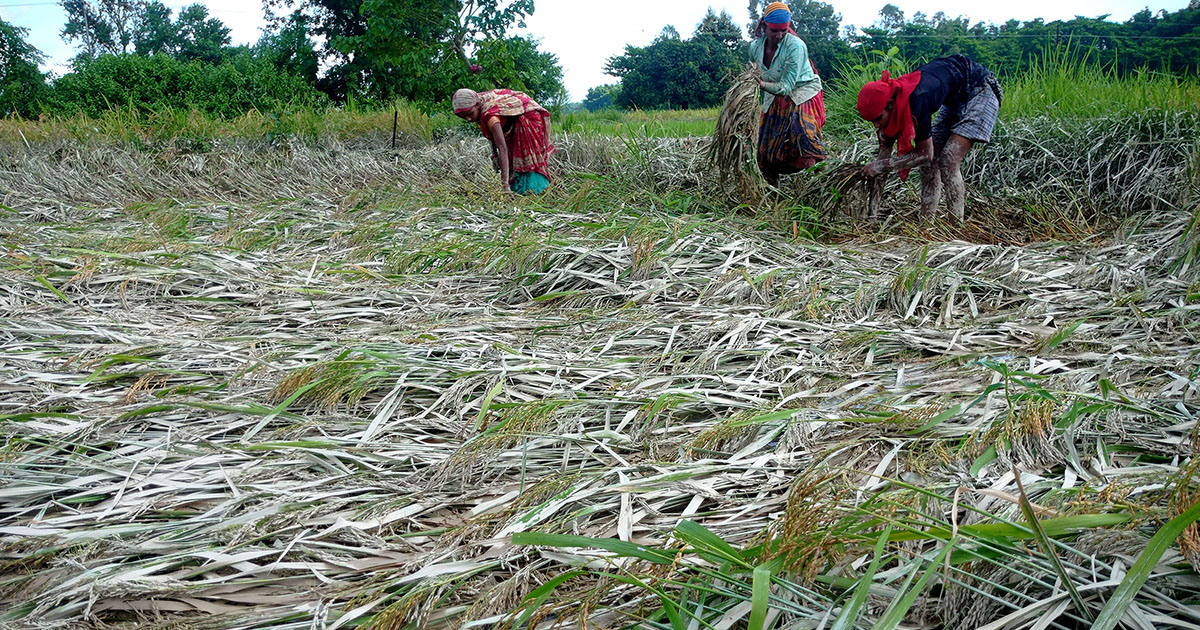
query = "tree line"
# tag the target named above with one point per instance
(139, 54)
(143, 55)
(675, 73)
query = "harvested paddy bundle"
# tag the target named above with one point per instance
(837, 185)
(733, 146)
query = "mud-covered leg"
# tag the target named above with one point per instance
(931, 191)
(949, 164)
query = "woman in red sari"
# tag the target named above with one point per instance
(519, 130)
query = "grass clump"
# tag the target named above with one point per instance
(344, 380)
(196, 130)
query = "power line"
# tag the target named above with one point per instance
(1076, 36)
(47, 4)
(1042, 36)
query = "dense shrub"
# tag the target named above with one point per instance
(156, 82)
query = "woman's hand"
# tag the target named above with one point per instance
(874, 169)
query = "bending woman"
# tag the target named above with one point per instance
(966, 98)
(519, 130)
(789, 139)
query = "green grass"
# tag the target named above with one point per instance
(1062, 86)
(654, 124)
(125, 124)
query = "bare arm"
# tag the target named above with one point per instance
(502, 152)
(885, 147)
(885, 163)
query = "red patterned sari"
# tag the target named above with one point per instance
(526, 127)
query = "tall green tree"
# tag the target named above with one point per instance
(516, 63)
(669, 32)
(674, 74)
(338, 25)
(200, 37)
(891, 18)
(602, 97)
(720, 27)
(22, 85)
(416, 49)
(194, 35)
(290, 48)
(1158, 41)
(101, 26)
(154, 32)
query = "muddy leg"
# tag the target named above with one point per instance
(949, 164)
(931, 191)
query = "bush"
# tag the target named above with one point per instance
(157, 82)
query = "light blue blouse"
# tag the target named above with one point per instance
(790, 73)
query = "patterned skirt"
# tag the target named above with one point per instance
(789, 139)
(528, 141)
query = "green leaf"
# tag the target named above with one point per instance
(486, 405)
(619, 547)
(1048, 548)
(1061, 335)
(704, 540)
(280, 408)
(760, 595)
(938, 419)
(556, 295)
(988, 457)
(895, 613)
(539, 595)
(1052, 527)
(1112, 612)
(669, 607)
(46, 283)
(851, 610)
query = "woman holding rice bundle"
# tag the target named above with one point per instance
(519, 130)
(966, 97)
(789, 139)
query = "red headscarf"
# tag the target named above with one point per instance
(875, 96)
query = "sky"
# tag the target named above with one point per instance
(585, 35)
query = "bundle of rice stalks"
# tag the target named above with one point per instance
(835, 186)
(732, 150)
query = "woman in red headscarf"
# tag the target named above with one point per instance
(789, 138)
(519, 130)
(966, 98)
